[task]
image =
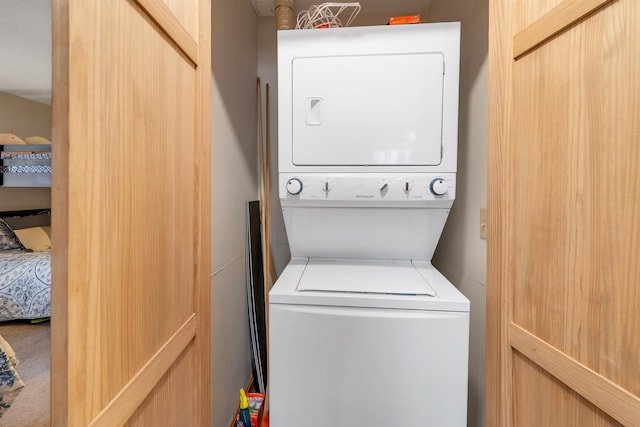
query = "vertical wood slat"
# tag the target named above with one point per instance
(553, 22)
(500, 208)
(59, 212)
(202, 296)
(605, 394)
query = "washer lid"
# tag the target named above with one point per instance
(363, 276)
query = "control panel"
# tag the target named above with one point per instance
(368, 187)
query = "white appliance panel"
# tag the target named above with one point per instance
(447, 297)
(367, 110)
(363, 232)
(341, 367)
(363, 276)
(343, 189)
(381, 77)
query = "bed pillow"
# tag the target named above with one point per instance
(37, 140)
(8, 239)
(9, 138)
(34, 238)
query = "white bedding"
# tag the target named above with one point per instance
(25, 285)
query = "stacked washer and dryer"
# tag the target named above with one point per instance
(363, 329)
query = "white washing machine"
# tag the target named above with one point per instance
(363, 329)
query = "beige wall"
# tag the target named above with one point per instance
(461, 254)
(234, 182)
(268, 72)
(24, 118)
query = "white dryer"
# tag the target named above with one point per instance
(363, 330)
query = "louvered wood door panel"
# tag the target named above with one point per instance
(131, 191)
(564, 214)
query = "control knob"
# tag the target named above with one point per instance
(438, 187)
(294, 186)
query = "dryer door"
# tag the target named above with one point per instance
(373, 110)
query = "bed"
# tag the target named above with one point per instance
(25, 266)
(25, 165)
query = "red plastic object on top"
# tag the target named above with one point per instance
(407, 19)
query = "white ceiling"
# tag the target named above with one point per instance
(25, 39)
(25, 49)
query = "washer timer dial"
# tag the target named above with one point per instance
(294, 186)
(438, 187)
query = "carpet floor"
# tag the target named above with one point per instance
(32, 345)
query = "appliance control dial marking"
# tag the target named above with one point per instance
(438, 187)
(418, 187)
(294, 186)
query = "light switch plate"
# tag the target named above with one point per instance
(483, 223)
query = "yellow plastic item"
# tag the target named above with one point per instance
(244, 403)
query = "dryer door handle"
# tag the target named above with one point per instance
(314, 113)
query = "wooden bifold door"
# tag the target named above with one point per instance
(130, 211)
(563, 293)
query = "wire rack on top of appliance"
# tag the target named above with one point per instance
(327, 15)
